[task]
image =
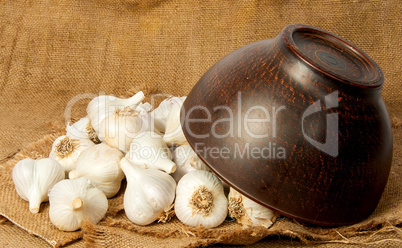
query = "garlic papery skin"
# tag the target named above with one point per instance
(148, 150)
(119, 128)
(200, 200)
(66, 150)
(149, 193)
(144, 113)
(160, 114)
(174, 135)
(72, 201)
(34, 178)
(102, 106)
(186, 160)
(249, 213)
(100, 164)
(82, 129)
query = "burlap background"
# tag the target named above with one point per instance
(53, 51)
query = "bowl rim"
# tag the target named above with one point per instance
(288, 33)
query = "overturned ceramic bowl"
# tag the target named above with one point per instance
(296, 123)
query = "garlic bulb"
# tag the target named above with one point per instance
(102, 106)
(66, 150)
(82, 129)
(186, 160)
(148, 150)
(100, 164)
(200, 200)
(248, 212)
(149, 193)
(160, 114)
(119, 128)
(72, 201)
(174, 135)
(34, 178)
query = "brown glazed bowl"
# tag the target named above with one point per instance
(297, 124)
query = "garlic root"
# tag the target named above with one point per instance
(200, 200)
(248, 212)
(77, 203)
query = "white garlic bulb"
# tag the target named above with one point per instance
(148, 150)
(100, 164)
(174, 135)
(82, 129)
(149, 193)
(34, 178)
(200, 200)
(72, 201)
(160, 114)
(119, 128)
(186, 160)
(66, 150)
(102, 106)
(247, 212)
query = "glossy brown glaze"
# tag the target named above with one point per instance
(296, 123)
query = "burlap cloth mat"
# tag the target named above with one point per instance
(56, 52)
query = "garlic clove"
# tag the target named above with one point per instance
(160, 114)
(149, 193)
(71, 201)
(249, 213)
(174, 135)
(148, 150)
(200, 200)
(66, 150)
(186, 160)
(34, 178)
(100, 164)
(102, 106)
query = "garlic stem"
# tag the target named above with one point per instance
(135, 100)
(34, 203)
(35, 200)
(166, 165)
(73, 174)
(77, 203)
